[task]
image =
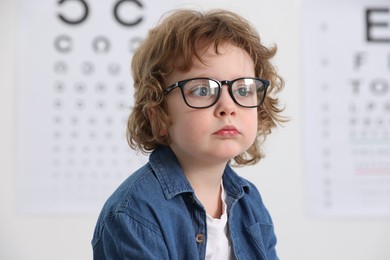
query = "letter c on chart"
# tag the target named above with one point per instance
(78, 20)
(120, 20)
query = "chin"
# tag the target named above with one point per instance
(227, 155)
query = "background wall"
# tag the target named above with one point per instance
(280, 176)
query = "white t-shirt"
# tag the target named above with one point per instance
(218, 240)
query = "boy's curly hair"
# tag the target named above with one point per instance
(178, 35)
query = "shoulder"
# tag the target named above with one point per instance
(131, 201)
(138, 185)
(127, 223)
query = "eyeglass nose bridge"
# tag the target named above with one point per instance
(225, 82)
(229, 83)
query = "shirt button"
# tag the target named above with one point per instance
(199, 238)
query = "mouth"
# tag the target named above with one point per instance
(227, 131)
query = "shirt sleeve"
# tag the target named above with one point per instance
(129, 237)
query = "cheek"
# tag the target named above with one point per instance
(252, 123)
(188, 126)
(177, 126)
(182, 124)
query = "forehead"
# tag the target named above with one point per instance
(201, 51)
(225, 62)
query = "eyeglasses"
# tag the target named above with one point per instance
(205, 92)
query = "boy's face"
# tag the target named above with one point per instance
(216, 134)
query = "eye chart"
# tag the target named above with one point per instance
(73, 100)
(347, 107)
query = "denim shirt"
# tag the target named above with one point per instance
(154, 214)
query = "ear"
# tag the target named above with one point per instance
(153, 118)
(164, 127)
(163, 132)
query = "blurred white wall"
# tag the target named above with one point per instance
(280, 176)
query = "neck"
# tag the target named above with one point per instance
(206, 183)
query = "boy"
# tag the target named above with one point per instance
(202, 102)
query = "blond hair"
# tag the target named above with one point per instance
(178, 36)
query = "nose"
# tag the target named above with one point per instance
(225, 105)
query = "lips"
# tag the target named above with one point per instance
(227, 131)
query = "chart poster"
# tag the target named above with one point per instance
(74, 95)
(347, 107)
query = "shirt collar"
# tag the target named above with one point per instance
(168, 172)
(234, 185)
(173, 181)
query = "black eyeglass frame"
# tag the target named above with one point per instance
(181, 84)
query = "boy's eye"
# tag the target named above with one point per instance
(243, 91)
(201, 91)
